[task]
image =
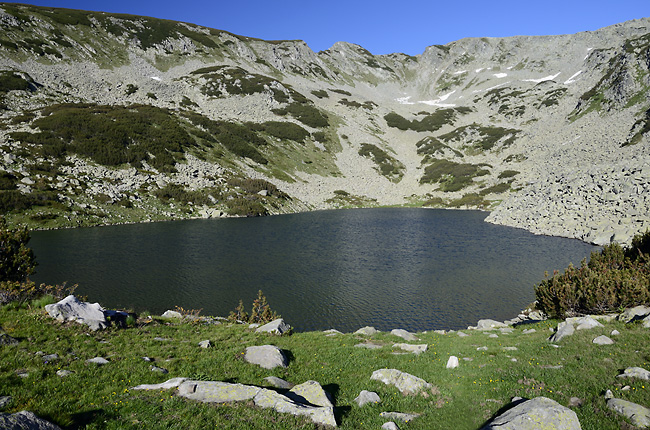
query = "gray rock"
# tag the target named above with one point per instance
(205, 344)
(404, 382)
(170, 383)
(25, 420)
(71, 309)
(408, 347)
(50, 358)
(510, 348)
(159, 370)
(564, 329)
(63, 373)
(310, 392)
(639, 415)
(635, 372)
(390, 425)
(536, 316)
(452, 363)
(575, 402)
(635, 313)
(4, 401)
(366, 397)
(646, 322)
(277, 326)
(529, 331)
(603, 340)
(403, 334)
(5, 339)
(488, 324)
(172, 314)
(462, 334)
(367, 331)
(615, 333)
(332, 332)
(369, 345)
(530, 414)
(276, 382)
(584, 323)
(98, 360)
(399, 416)
(266, 356)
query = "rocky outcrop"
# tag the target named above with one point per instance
(266, 356)
(404, 382)
(25, 420)
(540, 412)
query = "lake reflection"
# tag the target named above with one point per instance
(415, 269)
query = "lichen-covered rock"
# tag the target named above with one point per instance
(639, 415)
(635, 372)
(535, 414)
(635, 313)
(277, 326)
(584, 323)
(603, 340)
(366, 331)
(404, 382)
(404, 334)
(408, 347)
(310, 392)
(366, 397)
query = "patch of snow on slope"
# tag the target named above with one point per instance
(588, 51)
(491, 88)
(404, 100)
(479, 70)
(460, 72)
(155, 78)
(571, 79)
(439, 100)
(500, 75)
(546, 78)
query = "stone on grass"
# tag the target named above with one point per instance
(635, 313)
(635, 372)
(63, 373)
(367, 331)
(276, 382)
(172, 314)
(461, 334)
(50, 358)
(615, 333)
(575, 402)
(332, 332)
(369, 345)
(171, 383)
(390, 425)
(510, 348)
(5, 339)
(564, 329)
(366, 397)
(404, 382)
(540, 412)
(266, 356)
(584, 323)
(403, 334)
(529, 331)
(646, 322)
(25, 420)
(72, 309)
(603, 340)
(277, 326)
(310, 392)
(205, 344)
(408, 347)
(399, 416)
(97, 360)
(639, 415)
(452, 363)
(159, 370)
(488, 324)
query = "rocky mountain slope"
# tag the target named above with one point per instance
(112, 118)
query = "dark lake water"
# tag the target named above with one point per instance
(416, 269)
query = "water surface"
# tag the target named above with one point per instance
(415, 269)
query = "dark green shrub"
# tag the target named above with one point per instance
(261, 312)
(508, 174)
(470, 199)
(10, 81)
(452, 176)
(281, 130)
(614, 278)
(131, 89)
(17, 261)
(388, 166)
(305, 113)
(246, 207)
(320, 94)
(254, 186)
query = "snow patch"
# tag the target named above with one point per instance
(460, 72)
(500, 75)
(404, 100)
(588, 51)
(479, 70)
(155, 78)
(572, 78)
(546, 78)
(491, 88)
(439, 100)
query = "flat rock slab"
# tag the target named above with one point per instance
(404, 382)
(310, 392)
(488, 324)
(390, 425)
(564, 329)
(408, 347)
(366, 397)
(222, 392)
(399, 416)
(25, 420)
(277, 326)
(403, 334)
(603, 340)
(635, 372)
(72, 309)
(534, 414)
(369, 345)
(266, 356)
(639, 415)
(584, 323)
(276, 382)
(170, 383)
(98, 360)
(367, 331)
(635, 313)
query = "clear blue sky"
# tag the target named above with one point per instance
(380, 26)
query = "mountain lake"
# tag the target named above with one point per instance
(410, 268)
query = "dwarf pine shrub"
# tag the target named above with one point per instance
(615, 278)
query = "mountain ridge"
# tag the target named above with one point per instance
(549, 133)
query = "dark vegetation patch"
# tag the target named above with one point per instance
(639, 129)
(12, 81)
(223, 80)
(430, 147)
(304, 112)
(452, 176)
(254, 186)
(281, 130)
(431, 121)
(469, 200)
(354, 104)
(388, 166)
(110, 135)
(181, 195)
(480, 138)
(508, 174)
(499, 188)
(321, 94)
(345, 93)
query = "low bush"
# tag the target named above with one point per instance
(452, 176)
(17, 261)
(281, 130)
(243, 206)
(615, 278)
(261, 312)
(27, 291)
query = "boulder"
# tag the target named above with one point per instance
(564, 329)
(646, 322)
(635, 372)
(72, 309)
(172, 314)
(488, 324)
(403, 334)
(399, 416)
(404, 382)
(635, 313)
(25, 420)
(534, 414)
(366, 397)
(408, 347)
(276, 382)
(310, 392)
(277, 326)
(639, 415)
(367, 331)
(603, 340)
(266, 356)
(390, 425)
(452, 363)
(584, 323)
